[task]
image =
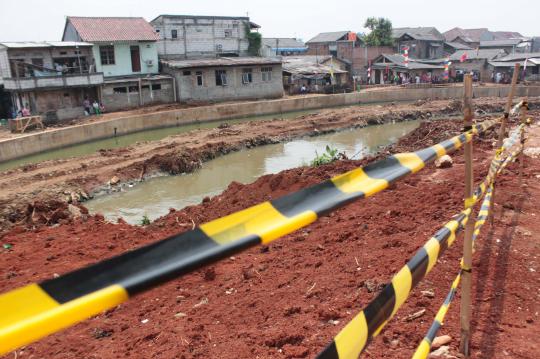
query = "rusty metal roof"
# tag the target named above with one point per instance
(111, 29)
(221, 62)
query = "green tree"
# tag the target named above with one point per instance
(381, 32)
(254, 41)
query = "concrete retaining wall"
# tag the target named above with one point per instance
(44, 141)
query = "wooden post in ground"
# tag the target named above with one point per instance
(523, 113)
(502, 132)
(466, 280)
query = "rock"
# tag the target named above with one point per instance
(394, 343)
(415, 315)
(75, 197)
(442, 353)
(428, 293)
(444, 162)
(114, 180)
(74, 211)
(440, 341)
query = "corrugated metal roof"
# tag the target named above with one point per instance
(520, 56)
(301, 65)
(328, 36)
(419, 33)
(221, 62)
(41, 44)
(487, 54)
(283, 42)
(458, 45)
(398, 60)
(110, 29)
(470, 34)
(495, 43)
(532, 61)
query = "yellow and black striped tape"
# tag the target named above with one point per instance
(34, 311)
(355, 336)
(422, 352)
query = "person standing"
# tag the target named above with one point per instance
(86, 105)
(95, 105)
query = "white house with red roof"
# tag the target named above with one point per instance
(125, 51)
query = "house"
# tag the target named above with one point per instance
(326, 43)
(50, 78)
(535, 44)
(359, 56)
(324, 73)
(283, 46)
(473, 37)
(451, 47)
(387, 66)
(475, 61)
(422, 42)
(225, 78)
(505, 66)
(125, 51)
(511, 46)
(188, 37)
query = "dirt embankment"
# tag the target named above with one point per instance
(38, 194)
(288, 299)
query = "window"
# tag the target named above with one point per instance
(187, 73)
(219, 48)
(199, 78)
(221, 78)
(247, 76)
(228, 32)
(156, 87)
(133, 88)
(63, 52)
(37, 62)
(119, 89)
(266, 73)
(106, 53)
(174, 34)
(77, 52)
(157, 30)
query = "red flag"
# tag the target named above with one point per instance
(463, 57)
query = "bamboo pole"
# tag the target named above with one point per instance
(465, 312)
(502, 131)
(523, 113)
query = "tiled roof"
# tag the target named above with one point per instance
(102, 29)
(328, 36)
(472, 34)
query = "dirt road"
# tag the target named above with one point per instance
(288, 299)
(37, 194)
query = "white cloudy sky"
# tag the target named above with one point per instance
(35, 20)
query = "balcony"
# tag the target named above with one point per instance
(55, 81)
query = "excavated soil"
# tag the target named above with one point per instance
(288, 299)
(50, 185)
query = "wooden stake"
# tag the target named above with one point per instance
(508, 106)
(469, 228)
(523, 113)
(502, 132)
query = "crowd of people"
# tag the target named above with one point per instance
(92, 107)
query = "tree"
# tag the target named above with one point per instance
(254, 41)
(381, 32)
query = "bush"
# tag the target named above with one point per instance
(145, 220)
(330, 155)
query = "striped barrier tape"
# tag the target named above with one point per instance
(355, 336)
(423, 350)
(36, 310)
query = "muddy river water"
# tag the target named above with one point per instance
(154, 197)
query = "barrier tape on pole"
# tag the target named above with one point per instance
(355, 336)
(36, 310)
(423, 350)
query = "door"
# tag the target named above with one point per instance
(135, 59)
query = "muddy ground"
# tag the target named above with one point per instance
(38, 194)
(288, 299)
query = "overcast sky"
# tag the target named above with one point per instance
(36, 20)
